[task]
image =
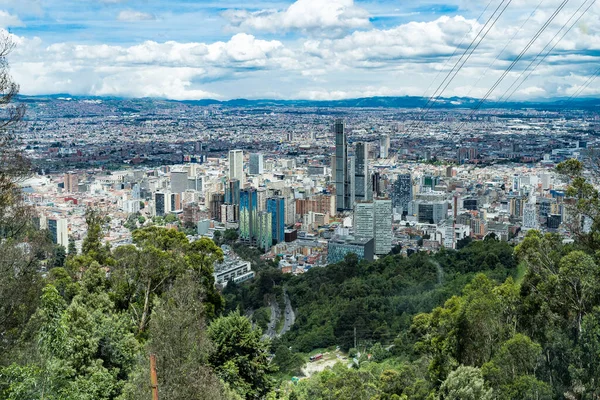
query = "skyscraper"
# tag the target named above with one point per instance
(276, 207)
(236, 165)
(256, 166)
(342, 179)
(265, 230)
(373, 219)
(232, 192)
(362, 178)
(383, 226)
(71, 182)
(402, 192)
(179, 181)
(248, 214)
(384, 146)
(364, 220)
(59, 231)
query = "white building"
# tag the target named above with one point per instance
(236, 165)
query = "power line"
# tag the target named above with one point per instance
(517, 59)
(549, 51)
(584, 86)
(465, 56)
(505, 47)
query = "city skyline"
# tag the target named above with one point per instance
(305, 49)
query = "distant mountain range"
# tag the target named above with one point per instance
(365, 102)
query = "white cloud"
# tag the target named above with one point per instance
(134, 16)
(8, 20)
(305, 15)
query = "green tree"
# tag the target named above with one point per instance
(240, 356)
(72, 250)
(178, 338)
(465, 383)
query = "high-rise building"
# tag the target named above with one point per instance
(363, 220)
(383, 226)
(376, 184)
(162, 203)
(362, 178)
(71, 182)
(339, 247)
(256, 166)
(373, 219)
(59, 231)
(179, 181)
(195, 183)
(276, 208)
(431, 212)
(384, 146)
(265, 230)
(248, 214)
(232, 192)
(236, 165)
(530, 218)
(342, 178)
(402, 192)
(214, 205)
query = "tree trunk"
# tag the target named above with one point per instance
(146, 306)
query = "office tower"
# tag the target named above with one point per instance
(203, 226)
(351, 169)
(191, 214)
(364, 220)
(265, 230)
(232, 192)
(362, 178)
(248, 217)
(162, 203)
(136, 192)
(402, 192)
(470, 203)
(214, 205)
(429, 182)
(290, 209)
(179, 181)
(313, 136)
(530, 219)
(198, 146)
(195, 183)
(236, 165)
(276, 207)
(431, 212)
(376, 184)
(384, 146)
(256, 166)
(175, 203)
(71, 182)
(383, 226)
(59, 231)
(342, 180)
(261, 198)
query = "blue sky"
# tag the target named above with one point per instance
(319, 49)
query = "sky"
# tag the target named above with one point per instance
(303, 49)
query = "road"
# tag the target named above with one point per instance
(290, 316)
(275, 315)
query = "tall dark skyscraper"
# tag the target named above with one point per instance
(342, 179)
(248, 214)
(362, 178)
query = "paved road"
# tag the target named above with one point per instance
(289, 315)
(275, 315)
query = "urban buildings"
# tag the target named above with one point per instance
(256, 165)
(71, 182)
(402, 193)
(362, 177)
(276, 208)
(342, 177)
(248, 215)
(339, 247)
(236, 165)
